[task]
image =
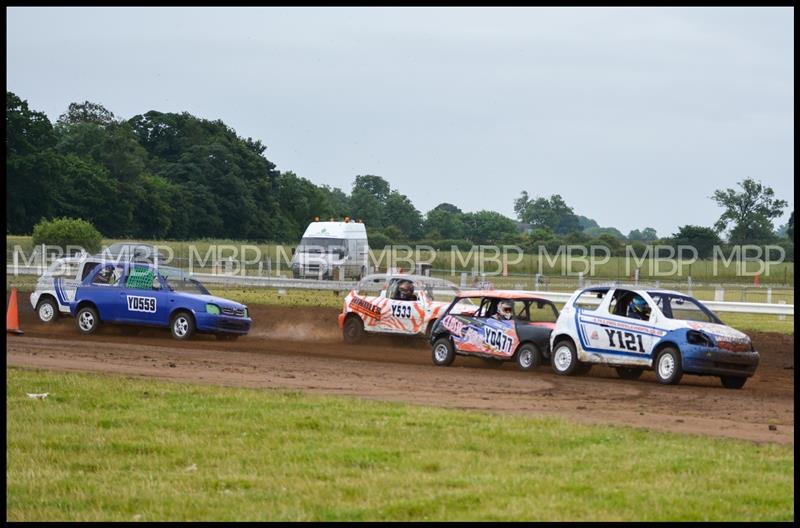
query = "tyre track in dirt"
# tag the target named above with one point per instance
(300, 349)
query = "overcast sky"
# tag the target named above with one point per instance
(634, 116)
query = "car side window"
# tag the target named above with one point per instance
(108, 276)
(88, 267)
(633, 306)
(542, 312)
(589, 300)
(141, 278)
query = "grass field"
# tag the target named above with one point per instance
(111, 448)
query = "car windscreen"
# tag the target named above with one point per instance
(185, 284)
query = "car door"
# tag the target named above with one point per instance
(484, 334)
(404, 316)
(105, 290)
(143, 299)
(616, 335)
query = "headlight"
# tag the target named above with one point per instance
(212, 309)
(699, 338)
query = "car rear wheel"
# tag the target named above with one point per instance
(353, 331)
(565, 360)
(732, 382)
(87, 320)
(182, 326)
(629, 373)
(443, 353)
(47, 310)
(528, 357)
(668, 366)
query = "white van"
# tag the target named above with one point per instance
(332, 250)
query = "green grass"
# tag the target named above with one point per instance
(111, 448)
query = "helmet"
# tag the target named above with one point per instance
(505, 309)
(637, 307)
(406, 289)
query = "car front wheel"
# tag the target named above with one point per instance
(353, 331)
(182, 326)
(668, 367)
(443, 353)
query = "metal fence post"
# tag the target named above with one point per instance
(781, 317)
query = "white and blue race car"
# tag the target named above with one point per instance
(138, 294)
(635, 330)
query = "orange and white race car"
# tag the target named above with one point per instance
(399, 304)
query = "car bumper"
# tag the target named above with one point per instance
(719, 362)
(340, 320)
(214, 323)
(35, 299)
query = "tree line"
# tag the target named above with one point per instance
(176, 176)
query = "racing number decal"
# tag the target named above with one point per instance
(141, 304)
(497, 339)
(401, 311)
(630, 340)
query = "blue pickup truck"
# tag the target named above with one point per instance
(136, 294)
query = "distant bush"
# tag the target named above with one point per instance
(63, 232)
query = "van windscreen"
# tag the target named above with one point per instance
(318, 245)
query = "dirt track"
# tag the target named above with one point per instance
(301, 349)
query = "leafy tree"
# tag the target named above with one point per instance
(445, 221)
(585, 223)
(553, 213)
(750, 211)
(487, 227)
(27, 131)
(703, 239)
(790, 227)
(597, 231)
(648, 234)
(63, 232)
(401, 213)
(87, 112)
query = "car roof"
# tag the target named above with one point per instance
(501, 294)
(635, 289)
(433, 281)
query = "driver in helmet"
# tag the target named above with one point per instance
(638, 308)
(405, 291)
(505, 310)
(105, 275)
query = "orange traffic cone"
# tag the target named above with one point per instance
(12, 317)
